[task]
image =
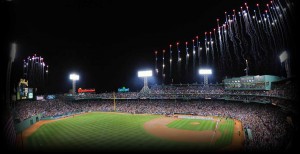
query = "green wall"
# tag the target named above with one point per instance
(26, 123)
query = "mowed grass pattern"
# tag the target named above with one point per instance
(226, 127)
(104, 131)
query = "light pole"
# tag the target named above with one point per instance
(74, 78)
(10, 135)
(284, 59)
(247, 68)
(163, 67)
(10, 61)
(145, 74)
(205, 73)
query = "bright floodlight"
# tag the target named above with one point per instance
(13, 51)
(283, 57)
(74, 77)
(205, 71)
(145, 73)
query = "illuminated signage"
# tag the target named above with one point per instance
(86, 90)
(123, 89)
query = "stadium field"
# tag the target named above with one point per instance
(121, 132)
(226, 128)
(193, 124)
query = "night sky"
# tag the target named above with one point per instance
(106, 41)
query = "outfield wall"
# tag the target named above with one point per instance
(32, 120)
(27, 123)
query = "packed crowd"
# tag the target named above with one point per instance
(245, 85)
(26, 109)
(192, 91)
(215, 89)
(285, 91)
(247, 98)
(268, 123)
(132, 95)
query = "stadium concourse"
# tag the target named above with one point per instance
(269, 115)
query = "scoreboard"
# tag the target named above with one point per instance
(23, 91)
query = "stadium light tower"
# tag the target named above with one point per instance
(145, 74)
(11, 59)
(74, 78)
(284, 59)
(247, 68)
(205, 73)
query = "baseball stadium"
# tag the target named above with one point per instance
(168, 118)
(232, 89)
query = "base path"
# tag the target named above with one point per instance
(238, 138)
(158, 128)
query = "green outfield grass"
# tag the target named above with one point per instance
(109, 131)
(226, 127)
